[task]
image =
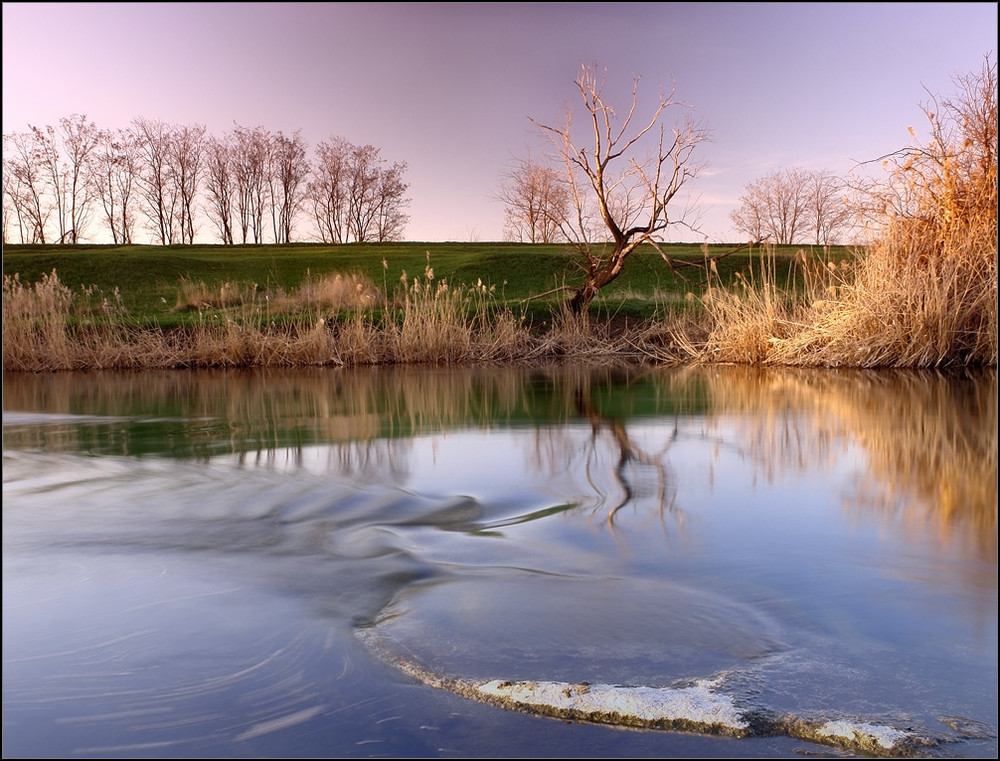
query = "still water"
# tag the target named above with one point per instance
(566, 562)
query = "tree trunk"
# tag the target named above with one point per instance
(599, 275)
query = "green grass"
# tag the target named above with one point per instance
(149, 277)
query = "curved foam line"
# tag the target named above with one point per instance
(697, 706)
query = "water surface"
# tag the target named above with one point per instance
(348, 562)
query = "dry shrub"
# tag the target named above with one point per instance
(335, 292)
(48, 326)
(197, 296)
(334, 321)
(438, 323)
(925, 293)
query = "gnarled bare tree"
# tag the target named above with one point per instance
(629, 192)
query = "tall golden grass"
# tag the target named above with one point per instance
(925, 292)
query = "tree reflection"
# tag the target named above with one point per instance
(632, 458)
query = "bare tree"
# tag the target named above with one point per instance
(355, 197)
(185, 164)
(630, 192)
(793, 206)
(114, 177)
(537, 203)
(287, 175)
(391, 201)
(156, 188)
(328, 190)
(79, 142)
(220, 183)
(829, 213)
(362, 190)
(27, 190)
(9, 210)
(251, 148)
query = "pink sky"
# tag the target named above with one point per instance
(448, 87)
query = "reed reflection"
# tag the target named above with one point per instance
(930, 439)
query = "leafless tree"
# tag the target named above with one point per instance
(328, 190)
(537, 203)
(632, 193)
(45, 155)
(114, 177)
(287, 175)
(64, 156)
(156, 187)
(355, 197)
(251, 148)
(391, 201)
(362, 191)
(829, 212)
(185, 165)
(793, 205)
(9, 211)
(27, 190)
(79, 142)
(220, 183)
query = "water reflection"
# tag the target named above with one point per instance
(827, 539)
(930, 438)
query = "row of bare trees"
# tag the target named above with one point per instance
(252, 185)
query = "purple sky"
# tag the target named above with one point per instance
(448, 87)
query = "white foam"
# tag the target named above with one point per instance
(697, 703)
(885, 737)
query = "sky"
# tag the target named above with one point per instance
(451, 89)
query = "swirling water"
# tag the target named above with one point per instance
(499, 562)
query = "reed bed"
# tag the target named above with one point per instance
(925, 292)
(344, 321)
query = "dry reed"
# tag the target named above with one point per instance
(925, 292)
(333, 321)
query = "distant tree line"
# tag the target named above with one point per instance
(794, 206)
(251, 185)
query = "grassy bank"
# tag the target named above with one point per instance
(143, 307)
(149, 278)
(91, 307)
(185, 306)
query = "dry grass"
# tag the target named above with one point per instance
(924, 295)
(333, 321)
